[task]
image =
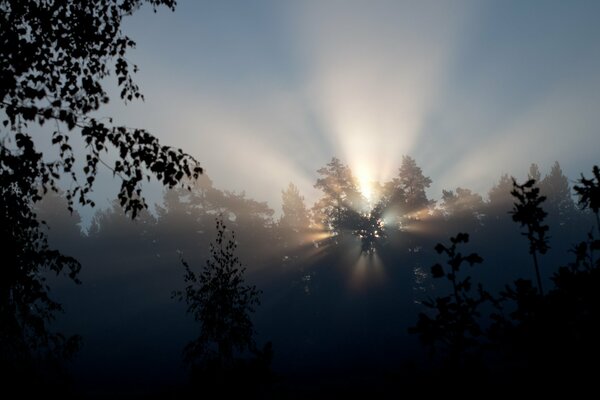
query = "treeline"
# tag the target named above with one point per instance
(336, 277)
(184, 220)
(522, 336)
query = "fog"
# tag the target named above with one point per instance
(333, 308)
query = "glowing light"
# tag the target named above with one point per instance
(365, 187)
(367, 270)
(365, 180)
(318, 236)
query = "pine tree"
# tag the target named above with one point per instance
(295, 221)
(528, 212)
(555, 186)
(588, 191)
(342, 203)
(534, 173)
(500, 199)
(413, 183)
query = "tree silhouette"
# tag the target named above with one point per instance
(555, 186)
(221, 302)
(186, 214)
(552, 335)
(529, 214)
(26, 308)
(404, 196)
(462, 202)
(295, 221)
(534, 173)
(455, 326)
(341, 205)
(295, 215)
(393, 200)
(588, 191)
(371, 229)
(54, 60)
(413, 183)
(500, 199)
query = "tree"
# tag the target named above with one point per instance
(221, 301)
(55, 57)
(64, 227)
(295, 221)
(413, 183)
(588, 191)
(534, 173)
(26, 308)
(404, 196)
(461, 202)
(529, 214)
(295, 214)
(185, 215)
(555, 186)
(113, 228)
(342, 203)
(500, 200)
(371, 229)
(455, 325)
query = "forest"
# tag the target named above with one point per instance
(342, 289)
(373, 291)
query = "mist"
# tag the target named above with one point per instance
(334, 308)
(316, 199)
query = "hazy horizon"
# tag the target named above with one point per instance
(264, 94)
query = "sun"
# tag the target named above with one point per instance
(364, 180)
(366, 189)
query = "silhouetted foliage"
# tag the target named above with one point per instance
(219, 299)
(371, 229)
(295, 221)
(559, 203)
(529, 214)
(500, 199)
(454, 326)
(553, 335)
(54, 59)
(588, 191)
(63, 226)
(462, 203)
(577, 298)
(26, 308)
(327, 307)
(413, 183)
(405, 195)
(534, 173)
(342, 203)
(295, 215)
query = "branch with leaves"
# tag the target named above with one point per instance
(54, 59)
(455, 322)
(528, 212)
(588, 191)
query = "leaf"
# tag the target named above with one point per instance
(474, 258)
(462, 238)
(437, 271)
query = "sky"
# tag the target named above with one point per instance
(264, 93)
